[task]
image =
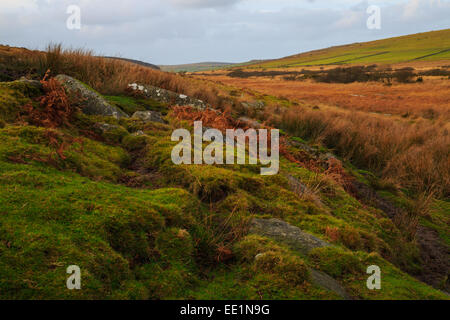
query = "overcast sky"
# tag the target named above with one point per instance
(185, 31)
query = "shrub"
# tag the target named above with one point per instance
(404, 75)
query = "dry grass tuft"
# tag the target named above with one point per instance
(416, 155)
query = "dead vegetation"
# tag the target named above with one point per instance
(54, 109)
(108, 76)
(415, 155)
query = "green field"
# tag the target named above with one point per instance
(195, 67)
(429, 46)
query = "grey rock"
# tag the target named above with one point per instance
(258, 105)
(33, 83)
(138, 133)
(325, 281)
(285, 233)
(295, 185)
(149, 116)
(167, 96)
(104, 127)
(301, 242)
(92, 102)
(250, 123)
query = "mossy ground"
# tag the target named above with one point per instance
(130, 105)
(181, 233)
(14, 95)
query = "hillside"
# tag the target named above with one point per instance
(428, 46)
(194, 67)
(87, 179)
(141, 63)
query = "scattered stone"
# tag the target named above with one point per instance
(92, 102)
(295, 185)
(259, 256)
(138, 133)
(255, 105)
(105, 127)
(304, 146)
(250, 123)
(301, 242)
(167, 96)
(285, 233)
(327, 156)
(31, 83)
(110, 132)
(149, 116)
(325, 281)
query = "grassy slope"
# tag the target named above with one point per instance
(429, 46)
(194, 67)
(161, 241)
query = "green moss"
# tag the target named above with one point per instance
(439, 220)
(263, 255)
(59, 206)
(130, 105)
(350, 268)
(336, 262)
(175, 244)
(133, 143)
(50, 220)
(265, 270)
(87, 157)
(115, 134)
(13, 95)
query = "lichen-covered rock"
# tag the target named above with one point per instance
(149, 116)
(34, 85)
(112, 133)
(283, 232)
(167, 96)
(301, 242)
(255, 105)
(92, 102)
(296, 185)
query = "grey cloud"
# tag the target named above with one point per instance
(176, 31)
(204, 3)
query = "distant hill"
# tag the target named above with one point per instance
(141, 63)
(428, 46)
(193, 67)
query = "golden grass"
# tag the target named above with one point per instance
(417, 156)
(400, 132)
(412, 151)
(110, 76)
(430, 99)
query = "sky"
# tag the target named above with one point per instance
(188, 31)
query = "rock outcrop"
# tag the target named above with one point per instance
(167, 96)
(92, 102)
(283, 232)
(301, 242)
